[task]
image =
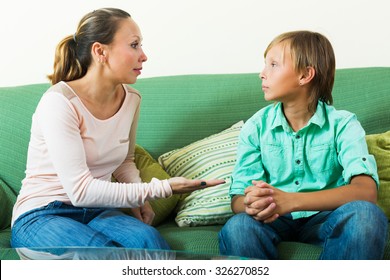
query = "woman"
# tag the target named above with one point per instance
(83, 133)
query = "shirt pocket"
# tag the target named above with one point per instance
(274, 158)
(322, 157)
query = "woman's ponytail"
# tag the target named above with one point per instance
(66, 64)
(73, 54)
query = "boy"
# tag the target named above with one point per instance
(303, 171)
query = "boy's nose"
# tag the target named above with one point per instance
(261, 75)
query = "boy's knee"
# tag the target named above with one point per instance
(364, 211)
(238, 223)
(365, 217)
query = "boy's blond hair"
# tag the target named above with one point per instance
(311, 49)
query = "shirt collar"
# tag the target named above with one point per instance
(280, 120)
(319, 116)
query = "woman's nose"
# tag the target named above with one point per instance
(143, 57)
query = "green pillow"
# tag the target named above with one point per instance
(213, 157)
(379, 147)
(149, 168)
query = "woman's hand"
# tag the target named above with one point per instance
(181, 185)
(144, 213)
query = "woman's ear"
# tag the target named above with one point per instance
(307, 75)
(98, 52)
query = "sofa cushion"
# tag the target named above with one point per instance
(150, 168)
(209, 158)
(201, 239)
(379, 147)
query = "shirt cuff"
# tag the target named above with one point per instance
(166, 189)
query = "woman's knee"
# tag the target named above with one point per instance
(152, 239)
(141, 235)
(56, 231)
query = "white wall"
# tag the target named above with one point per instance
(195, 36)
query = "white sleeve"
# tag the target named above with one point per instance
(128, 172)
(59, 122)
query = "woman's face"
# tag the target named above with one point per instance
(125, 55)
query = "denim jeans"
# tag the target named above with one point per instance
(356, 230)
(62, 225)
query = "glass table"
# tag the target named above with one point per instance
(104, 253)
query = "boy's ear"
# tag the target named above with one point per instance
(307, 75)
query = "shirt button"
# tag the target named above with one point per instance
(364, 159)
(297, 137)
(296, 182)
(298, 161)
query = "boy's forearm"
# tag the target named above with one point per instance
(362, 188)
(237, 204)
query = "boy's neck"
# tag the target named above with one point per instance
(297, 116)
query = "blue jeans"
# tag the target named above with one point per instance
(356, 230)
(62, 225)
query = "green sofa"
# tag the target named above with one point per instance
(178, 110)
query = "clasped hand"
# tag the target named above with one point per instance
(265, 202)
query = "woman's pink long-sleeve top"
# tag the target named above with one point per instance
(72, 156)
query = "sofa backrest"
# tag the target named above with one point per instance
(178, 110)
(17, 104)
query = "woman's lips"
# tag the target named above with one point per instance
(137, 70)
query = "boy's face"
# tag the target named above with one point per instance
(279, 79)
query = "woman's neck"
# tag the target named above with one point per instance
(103, 100)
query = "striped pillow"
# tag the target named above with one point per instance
(209, 158)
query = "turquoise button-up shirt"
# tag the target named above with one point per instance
(324, 154)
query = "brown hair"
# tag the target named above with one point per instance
(311, 49)
(73, 53)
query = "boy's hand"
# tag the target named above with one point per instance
(266, 203)
(259, 202)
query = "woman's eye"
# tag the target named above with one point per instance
(135, 45)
